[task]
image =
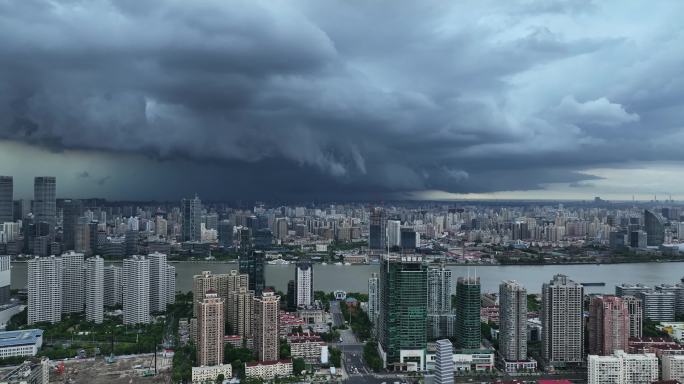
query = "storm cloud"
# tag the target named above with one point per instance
(349, 99)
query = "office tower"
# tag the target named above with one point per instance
(82, 243)
(562, 323)
(626, 289)
(439, 290)
(241, 308)
(225, 233)
(158, 282)
(409, 239)
(623, 368)
(655, 228)
(468, 333)
(638, 239)
(635, 315)
(71, 211)
(658, 306)
(201, 284)
(512, 321)
(402, 320)
(263, 238)
(253, 264)
(6, 202)
(373, 297)
(44, 201)
(132, 239)
(245, 239)
(191, 209)
(44, 290)
(304, 284)
(211, 221)
(608, 325)
(266, 340)
(394, 233)
(673, 367)
(22, 207)
(170, 284)
(444, 363)
(5, 279)
(112, 286)
(291, 296)
(280, 228)
(210, 331)
(377, 230)
(678, 291)
(94, 289)
(72, 284)
(136, 290)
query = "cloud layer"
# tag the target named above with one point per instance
(348, 99)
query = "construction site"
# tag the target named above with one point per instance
(118, 370)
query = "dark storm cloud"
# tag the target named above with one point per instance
(349, 98)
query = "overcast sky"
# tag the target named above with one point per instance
(321, 100)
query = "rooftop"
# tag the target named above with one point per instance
(22, 337)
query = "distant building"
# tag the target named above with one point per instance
(210, 330)
(94, 289)
(191, 209)
(72, 283)
(658, 306)
(393, 233)
(409, 239)
(562, 321)
(468, 333)
(159, 282)
(112, 286)
(45, 202)
(225, 233)
(304, 284)
(266, 339)
(678, 291)
(253, 264)
(377, 230)
(655, 228)
(6, 196)
(136, 290)
(44, 289)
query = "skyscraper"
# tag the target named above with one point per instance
(136, 290)
(373, 297)
(71, 211)
(402, 324)
(241, 308)
(6, 196)
(562, 322)
(393, 233)
(112, 286)
(170, 284)
(635, 315)
(210, 330)
(72, 283)
(191, 210)
(253, 264)
(94, 289)
(266, 340)
(225, 233)
(468, 333)
(5, 279)
(304, 284)
(44, 290)
(377, 230)
(444, 363)
(608, 325)
(655, 228)
(44, 201)
(158, 282)
(440, 289)
(82, 243)
(201, 284)
(512, 321)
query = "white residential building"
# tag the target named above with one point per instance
(136, 290)
(72, 282)
(209, 374)
(444, 363)
(158, 282)
(304, 284)
(170, 284)
(623, 368)
(94, 289)
(44, 289)
(268, 370)
(112, 286)
(673, 367)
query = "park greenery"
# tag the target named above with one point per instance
(371, 355)
(184, 359)
(360, 323)
(335, 357)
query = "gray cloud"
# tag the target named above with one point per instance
(347, 99)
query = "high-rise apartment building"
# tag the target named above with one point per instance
(562, 322)
(512, 321)
(72, 283)
(678, 291)
(191, 209)
(673, 367)
(658, 306)
(626, 289)
(240, 307)
(253, 264)
(440, 289)
(468, 332)
(623, 368)
(94, 289)
(45, 201)
(444, 363)
(304, 276)
(210, 330)
(608, 325)
(394, 233)
(266, 340)
(112, 286)
(280, 228)
(373, 297)
(136, 290)
(402, 323)
(44, 290)
(377, 230)
(170, 284)
(158, 282)
(6, 196)
(71, 211)
(201, 284)
(635, 315)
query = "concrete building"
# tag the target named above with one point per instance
(440, 290)
(158, 282)
(201, 284)
(512, 321)
(658, 306)
(253, 263)
(655, 228)
(32, 371)
(673, 367)
(5, 279)
(623, 368)
(562, 321)
(444, 363)
(309, 350)
(373, 297)
(394, 233)
(626, 289)
(209, 374)
(26, 342)
(210, 330)
(377, 230)
(240, 307)
(678, 291)
(191, 209)
(94, 289)
(45, 202)
(225, 233)
(265, 323)
(136, 290)
(608, 325)
(635, 315)
(304, 276)
(112, 286)
(44, 289)
(72, 283)
(468, 333)
(170, 284)
(268, 370)
(6, 199)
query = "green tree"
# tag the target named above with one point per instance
(371, 356)
(298, 365)
(220, 378)
(335, 357)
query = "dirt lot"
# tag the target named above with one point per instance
(126, 370)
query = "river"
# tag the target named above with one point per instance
(354, 278)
